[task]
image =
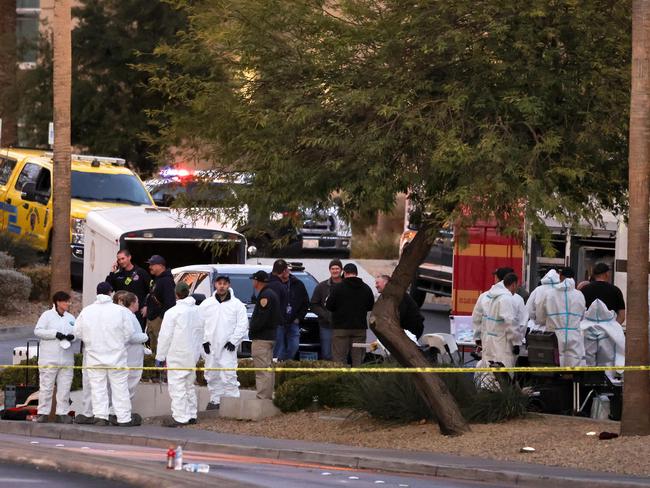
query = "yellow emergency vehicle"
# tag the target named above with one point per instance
(25, 195)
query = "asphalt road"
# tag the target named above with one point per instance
(29, 476)
(255, 471)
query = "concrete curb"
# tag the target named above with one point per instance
(113, 469)
(418, 467)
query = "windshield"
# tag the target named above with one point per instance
(243, 285)
(102, 187)
(197, 193)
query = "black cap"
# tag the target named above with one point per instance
(502, 272)
(567, 272)
(104, 288)
(600, 268)
(222, 277)
(335, 262)
(260, 275)
(157, 259)
(350, 268)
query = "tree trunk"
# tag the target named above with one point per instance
(61, 175)
(636, 390)
(8, 98)
(384, 322)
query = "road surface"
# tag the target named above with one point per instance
(255, 471)
(20, 476)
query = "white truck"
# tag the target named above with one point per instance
(145, 231)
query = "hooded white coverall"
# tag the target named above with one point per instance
(52, 354)
(179, 343)
(561, 311)
(478, 315)
(501, 329)
(135, 353)
(223, 322)
(537, 295)
(604, 337)
(105, 329)
(521, 315)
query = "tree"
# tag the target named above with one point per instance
(636, 401)
(109, 99)
(8, 105)
(478, 109)
(62, 167)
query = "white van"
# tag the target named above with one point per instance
(145, 231)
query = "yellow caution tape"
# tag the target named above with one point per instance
(440, 370)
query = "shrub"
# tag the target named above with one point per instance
(299, 393)
(6, 261)
(246, 378)
(283, 376)
(21, 250)
(371, 245)
(40, 277)
(15, 288)
(16, 376)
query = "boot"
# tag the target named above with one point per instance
(82, 419)
(63, 419)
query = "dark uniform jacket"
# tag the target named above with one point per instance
(280, 290)
(318, 300)
(266, 316)
(162, 296)
(350, 301)
(410, 317)
(137, 281)
(298, 300)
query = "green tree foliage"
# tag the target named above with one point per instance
(475, 105)
(110, 99)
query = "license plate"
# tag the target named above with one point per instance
(309, 243)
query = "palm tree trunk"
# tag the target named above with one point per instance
(636, 392)
(8, 98)
(61, 175)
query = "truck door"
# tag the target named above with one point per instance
(7, 166)
(33, 217)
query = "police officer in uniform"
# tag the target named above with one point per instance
(267, 316)
(127, 276)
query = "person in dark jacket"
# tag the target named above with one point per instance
(127, 276)
(410, 317)
(349, 301)
(318, 300)
(287, 339)
(266, 317)
(161, 298)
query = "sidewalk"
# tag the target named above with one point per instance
(423, 463)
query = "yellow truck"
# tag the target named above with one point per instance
(26, 203)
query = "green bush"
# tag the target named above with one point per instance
(40, 276)
(395, 397)
(16, 376)
(21, 250)
(15, 288)
(246, 378)
(299, 393)
(283, 376)
(6, 261)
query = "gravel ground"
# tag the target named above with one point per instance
(558, 441)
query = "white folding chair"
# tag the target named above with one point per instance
(450, 347)
(437, 342)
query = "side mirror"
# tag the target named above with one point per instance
(29, 192)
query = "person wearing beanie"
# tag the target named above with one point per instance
(349, 302)
(318, 301)
(601, 288)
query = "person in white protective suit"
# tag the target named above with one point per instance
(225, 324)
(56, 333)
(179, 345)
(561, 311)
(481, 306)
(537, 295)
(135, 351)
(105, 329)
(604, 337)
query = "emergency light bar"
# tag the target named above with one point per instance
(92, 159)
(176, 173)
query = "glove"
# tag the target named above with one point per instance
(229, 346)
(515, 350)
(60, 336)
(70, 337)
(206, 347)
(159, 364)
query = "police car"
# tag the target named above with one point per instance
(200, 278)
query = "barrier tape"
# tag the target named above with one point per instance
(439, 370)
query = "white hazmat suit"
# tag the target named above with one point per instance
(179, 343)
(521, 315)
(105, 329)
(52, 354)
(604, 337)
(478, 315)
(561, 311)
(501, 330)
(223, 322)
(135, 353)
(537, 295)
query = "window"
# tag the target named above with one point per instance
(104, 187)
(29, 174)
(27, 32)
(6, 168)
(203, 286)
